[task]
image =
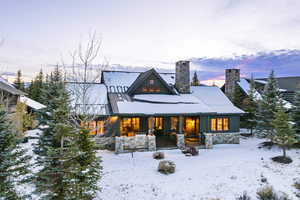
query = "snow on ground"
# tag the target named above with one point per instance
(222, 172)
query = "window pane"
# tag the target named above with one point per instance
(100, 127)
(226, 124)
(174, 123)
(213, 123)
(190, 124)
(136, 123)
(219, 124)
(159, 123)
(92, 127)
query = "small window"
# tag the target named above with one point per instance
(151, 81)
(174, 123)
(129, 126)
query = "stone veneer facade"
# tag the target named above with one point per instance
(231, 77)
(122, 144)
(182, 77)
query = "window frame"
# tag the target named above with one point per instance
(225, 124)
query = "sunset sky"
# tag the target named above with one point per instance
(38, 34)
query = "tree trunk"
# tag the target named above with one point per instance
(284, 151)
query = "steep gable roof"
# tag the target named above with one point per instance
(8, 87)
(143, 77)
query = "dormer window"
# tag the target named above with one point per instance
(151, 81)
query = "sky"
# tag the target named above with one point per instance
(39, 34)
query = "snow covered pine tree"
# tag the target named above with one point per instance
(296, 115)
(14, 163)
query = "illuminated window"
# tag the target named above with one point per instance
(92, 127)
(100, 127)
(226, 124)
(191, 125)
(151, 82)
(219, 124)
(213, 123)
(158, 123)
(174, 123)
(129, 126)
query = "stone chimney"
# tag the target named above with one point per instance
(182, 77)
(231, 77)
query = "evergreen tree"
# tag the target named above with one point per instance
(250, 107)
(284, 134)
(70, 168)
(267, 106)
(14, 163)
(36, 89)
(237, 99)
(195, 80)
(18, 83)
(296, 115)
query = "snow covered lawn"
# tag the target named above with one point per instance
(223, 172)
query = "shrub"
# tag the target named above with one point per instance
(191, 150)
(266, 193)
(244, 197)
(166, 167)
(158, 155)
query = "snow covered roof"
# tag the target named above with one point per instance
(31, 103)
(214, 98)
(8, 87)
(120, 81)
(95, 100)
(203, 99)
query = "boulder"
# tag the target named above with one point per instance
(166, 167)
(158, 155)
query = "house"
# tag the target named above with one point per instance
(150, 110)
(288, 86)
(10, 96)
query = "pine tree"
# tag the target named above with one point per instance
(296, 115)
(284, 134)
(250, 107)
(14, 164)
(36, 88)
(237, 99)
(195, 80)
(18, 83)
(267, 106)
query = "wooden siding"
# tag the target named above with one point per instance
(157, 85)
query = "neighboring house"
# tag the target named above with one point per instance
(150, 110)
(288, 86)
(10, 96)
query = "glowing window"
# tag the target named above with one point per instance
(151, 82)
(213, 123)
(129, 126)
(225, 124)
(158, 123)
(174, 123)
(100, 127)
(219, 124)
(92, 127)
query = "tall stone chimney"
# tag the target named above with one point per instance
(231, 77)
(182, 77)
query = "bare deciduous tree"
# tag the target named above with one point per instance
(82, 74)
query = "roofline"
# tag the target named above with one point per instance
(103, 71)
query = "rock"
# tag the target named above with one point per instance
(166, 167)
(263, 180)
(188, 154)
(158, 155)
(191, 150)
(233, 177)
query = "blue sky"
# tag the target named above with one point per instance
(143, 33)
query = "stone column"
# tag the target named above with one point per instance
(119, 148)
(180, 141)
(180, 124)
(151, 125)
(151, 143)
(208, 140)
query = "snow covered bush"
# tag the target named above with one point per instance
(268, 193)
(244, 197)
(191, 150)
(158, 155)
(166, 167)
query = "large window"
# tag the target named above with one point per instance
(129, 126)
(191, 125)
(95, 127)
(174, 123)
(219, 124)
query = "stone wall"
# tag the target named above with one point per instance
(180, 141)
(208, 140)
(105, 142)
(135, 143)
(182, 76)
(226, 138)
(231, 77)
